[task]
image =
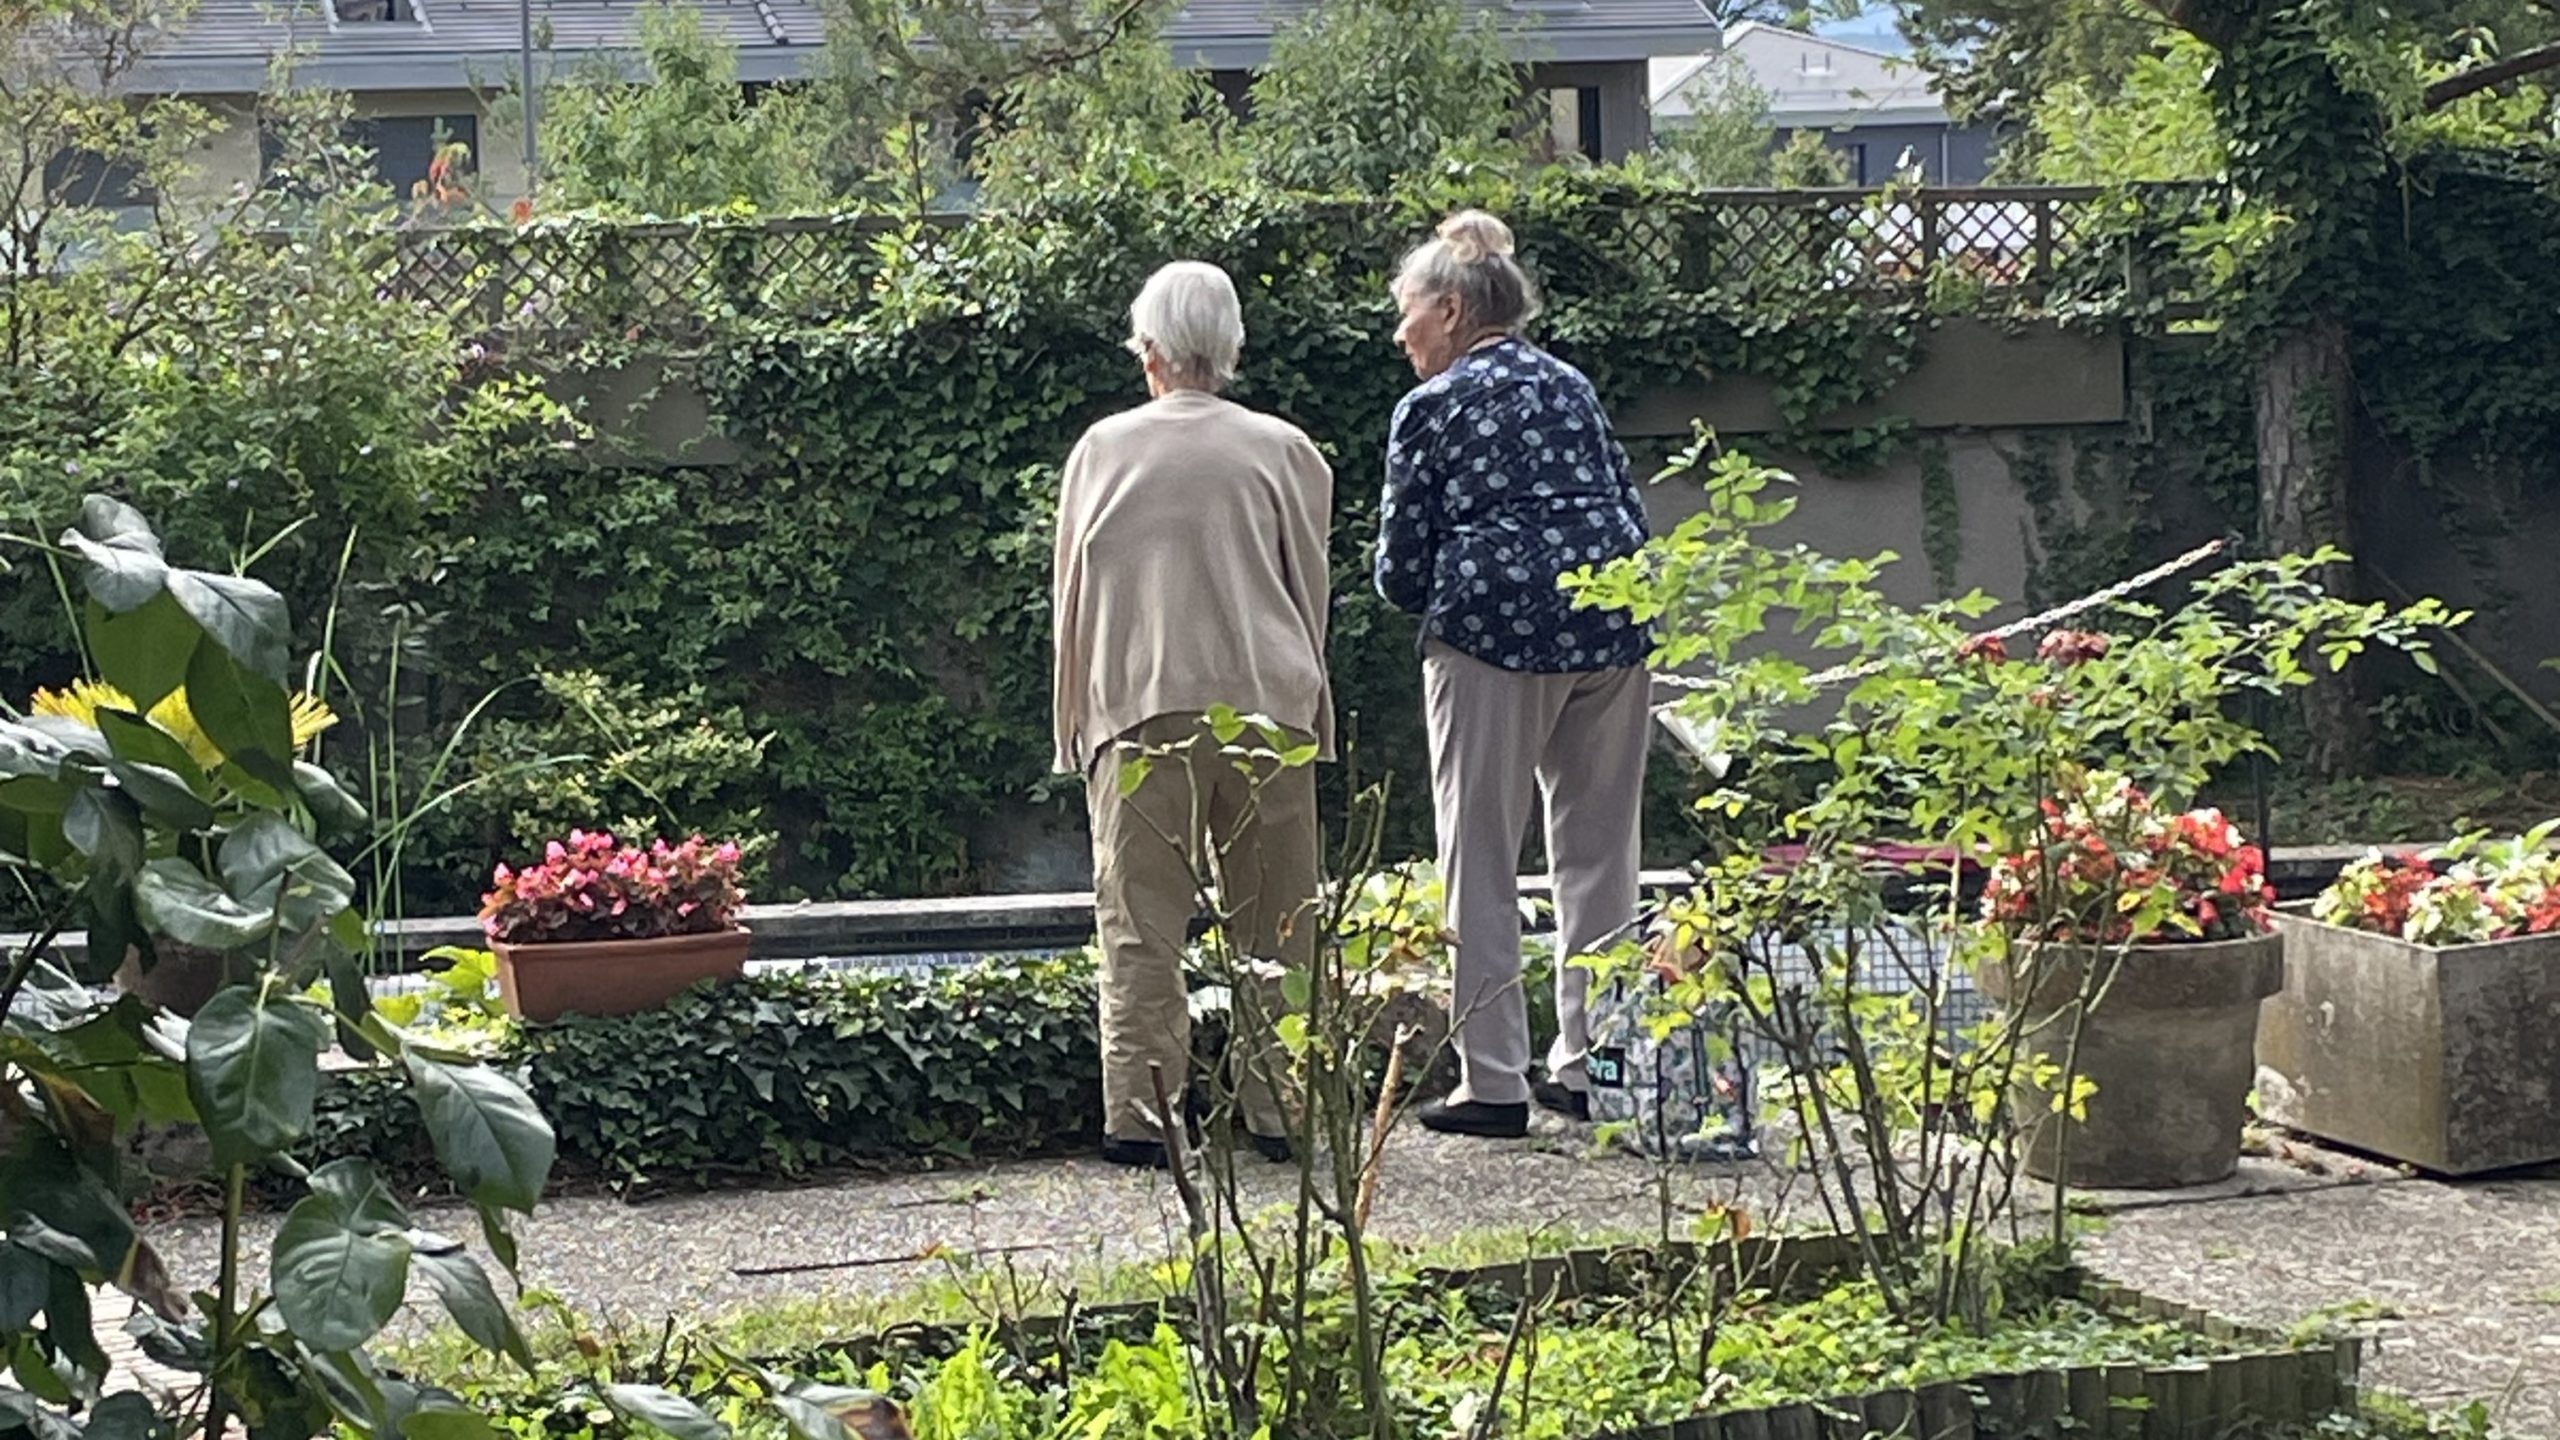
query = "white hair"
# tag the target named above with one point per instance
(1187, 316)
(1470, 258)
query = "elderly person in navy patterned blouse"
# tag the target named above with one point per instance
(1502, 476)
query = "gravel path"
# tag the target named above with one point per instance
(2461, 1281)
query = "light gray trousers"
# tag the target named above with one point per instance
(1500, 738)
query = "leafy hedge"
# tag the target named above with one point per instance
(786, 1073)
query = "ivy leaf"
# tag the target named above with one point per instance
(123, 566)
(488, 1134)
(665, 1411)
(253, 1066)
(244, 616)
(337, 1279)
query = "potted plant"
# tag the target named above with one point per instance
(2137, 945)
(2416, 1015)
(603, 928)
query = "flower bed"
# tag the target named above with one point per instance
(1802, 1351)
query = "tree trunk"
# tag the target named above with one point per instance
(2304, 404)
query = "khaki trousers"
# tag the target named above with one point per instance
(1498, 737)
(1257, 835)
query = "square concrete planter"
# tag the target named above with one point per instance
(2444, 1058)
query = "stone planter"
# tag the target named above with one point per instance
(613, 977)
(2170, 1045)
(181, 978)
(2443, 1058)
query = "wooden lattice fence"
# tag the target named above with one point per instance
(670, 280)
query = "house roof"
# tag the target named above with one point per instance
(1812, 81)
(224, 46)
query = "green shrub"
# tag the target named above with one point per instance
(785, 1073)
(584, 752)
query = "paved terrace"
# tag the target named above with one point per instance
(2460, 1282)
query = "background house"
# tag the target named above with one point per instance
(423, 72)
(1869, 106)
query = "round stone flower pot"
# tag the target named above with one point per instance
(613, 977)
(180, 978)
(2170, 1045)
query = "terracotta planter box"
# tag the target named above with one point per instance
(2171, 1046)
(2444, 1058)
(613, 977)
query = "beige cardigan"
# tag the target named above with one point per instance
(1191, 571)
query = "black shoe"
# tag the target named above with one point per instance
(1570, 1103)
(1274, 1148)
(1475, 1117)
(1136, 1154)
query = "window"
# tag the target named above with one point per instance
(1855, 152)
(81, 177)
(1572, 115)
(403, 146)
(1813, 62)
(374, 12)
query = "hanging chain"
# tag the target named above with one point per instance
(2038, 621)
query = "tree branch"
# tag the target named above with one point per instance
(2488, 77)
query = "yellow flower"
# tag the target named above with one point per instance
(83, 699)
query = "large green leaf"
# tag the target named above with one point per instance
(337, 1280)
(162, 793)
(810, 1420)
(334, 810)
(243, 616)
(245, 715)
(131, 737)
(446, 1421)
(474, 1304)
(253, 1066)
(176, 899)
(271, 866)
(122, 563)
(367, 1203)
(487, 1131)
(143, 652)
(64, 1213)
(25, 1278)
(665, 1411)
(126, 1415)
(105, 827)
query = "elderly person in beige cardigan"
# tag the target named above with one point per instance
(1191, 573)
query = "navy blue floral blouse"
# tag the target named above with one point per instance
(1502, 475)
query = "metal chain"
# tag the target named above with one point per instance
(2037, 621)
